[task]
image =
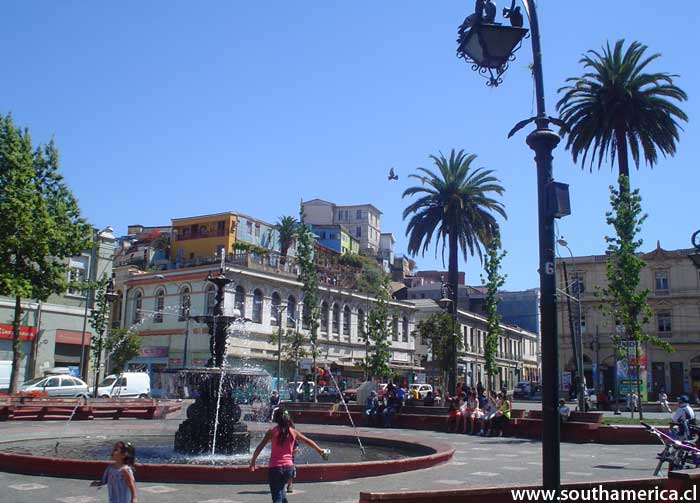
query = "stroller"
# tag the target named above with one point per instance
(681, 447)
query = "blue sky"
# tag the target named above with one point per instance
(166, 109)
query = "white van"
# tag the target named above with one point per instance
(125, 385)
(5, 372)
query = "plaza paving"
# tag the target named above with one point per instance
(478, 462)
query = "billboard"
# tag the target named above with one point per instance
(627, 369)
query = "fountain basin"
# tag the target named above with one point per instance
(421, 453)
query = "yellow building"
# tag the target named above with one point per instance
(202, 236)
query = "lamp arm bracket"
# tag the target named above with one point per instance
(523, 123)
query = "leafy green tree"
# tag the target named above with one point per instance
(309, 284)
(623, 299)
(378, 333)
(40, 226)
(293, 350)
(99, 321)
(121, 345)
(437, 331)
(493, 281)
(456, 206)
(286, 227)
(615, 107)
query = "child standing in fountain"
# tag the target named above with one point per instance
(281, 464)
(119, 476)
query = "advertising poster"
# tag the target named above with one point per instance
(565, 381)
(627, 370)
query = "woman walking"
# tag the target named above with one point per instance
(281, 464)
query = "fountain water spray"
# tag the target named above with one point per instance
(342, 399)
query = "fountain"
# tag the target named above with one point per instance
(213, 420)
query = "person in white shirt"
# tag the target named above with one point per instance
(683, 414)
(663, 400)
(564, 411)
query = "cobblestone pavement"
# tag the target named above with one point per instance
(478, 462)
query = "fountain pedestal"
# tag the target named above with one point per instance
(196, 434)
(213, 420)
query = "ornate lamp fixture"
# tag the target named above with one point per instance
(489, 46)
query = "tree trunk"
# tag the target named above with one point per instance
(453, 280)
(16, 345)
(622, 157)
(639, 381)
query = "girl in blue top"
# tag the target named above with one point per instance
(119, 476)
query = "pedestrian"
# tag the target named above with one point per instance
(281, 464)
(306, 389)
(274, 399)
(393, 406)
(502, 415)
(684, 414)
(564, 411)
(372, 407)
(429, 399)
(290, 484)
(663, 400)
(119, 476)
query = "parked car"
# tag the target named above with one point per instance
(55, 385)
(125, 385)
(350, 395)
(422, 389)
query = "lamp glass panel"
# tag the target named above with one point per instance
(497, 43)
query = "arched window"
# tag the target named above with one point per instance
(404, 331)
(210, 299)
(305, 317)
(275, 309)
(346, 320)
(257, 306)
(324, 317)
(336, 318)
(184, 310)
(160, 305)
(239, 301)
(361, 329)
(291, 312)
(395, 328)
(138, 306)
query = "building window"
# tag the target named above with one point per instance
(275, 309)
(257, 230)
(361, 323)
(336, 318)
(220, 228)
(210, 299)
(404, 332)
(661, 280)
(395, 328)
(138, 306)
(239, 301)
(291, 312)
(202, 231)
(186, 233)
(257, 306)
(358, 232)
(346, 320)
(305, 324)
(324, 317)
(184, 304)
(160, 305)
(358, 214)
(249, 227)
(663, 322)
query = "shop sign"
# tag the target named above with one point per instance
(155, 352)
(25, 333)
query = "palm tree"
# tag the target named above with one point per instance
(454, 206)
(615, 107)
(286, 228)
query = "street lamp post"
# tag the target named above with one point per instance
(110, 296)
(280, 310)
(446, 301)
(577, 335)
(489, 47)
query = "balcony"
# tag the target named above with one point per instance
(269, 263)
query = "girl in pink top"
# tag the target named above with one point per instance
(281, 464)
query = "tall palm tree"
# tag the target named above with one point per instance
(455, 206)
(615, 107)
(286, 228)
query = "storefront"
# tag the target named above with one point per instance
(69, 347)
(26, 335)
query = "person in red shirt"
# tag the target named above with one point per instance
(281, 464)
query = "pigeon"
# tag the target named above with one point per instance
(393, 175)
